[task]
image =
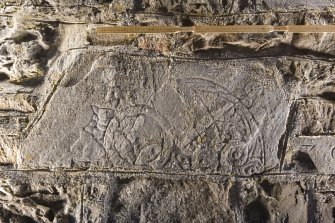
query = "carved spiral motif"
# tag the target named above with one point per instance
(239, 130)
(143, 137)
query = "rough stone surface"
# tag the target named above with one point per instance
(165, 127)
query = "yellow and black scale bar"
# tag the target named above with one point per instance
(217, 29)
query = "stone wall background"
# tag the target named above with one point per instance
(170, 127)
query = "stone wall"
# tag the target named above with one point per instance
(178, 127)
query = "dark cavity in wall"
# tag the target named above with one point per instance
(187, 22)
(304, 161)
(271, 189)
(24, 37)
(257, 212)
(138, 5)
(105, 1)
(328, 95)
(3, 76)
(247, 3)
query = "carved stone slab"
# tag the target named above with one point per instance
(158, 114)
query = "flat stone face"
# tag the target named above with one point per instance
(144, 113)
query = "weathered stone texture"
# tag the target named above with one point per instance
(179, 127)
(105, 197)
(161, 114)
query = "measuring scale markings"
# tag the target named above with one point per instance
(217, 29)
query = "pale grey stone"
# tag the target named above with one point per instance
(136, 112)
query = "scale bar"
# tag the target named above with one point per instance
(216, 29)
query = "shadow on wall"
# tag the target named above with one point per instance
(257, 212)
